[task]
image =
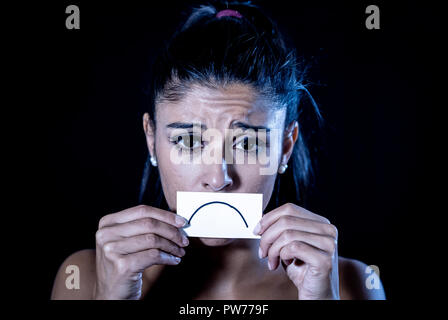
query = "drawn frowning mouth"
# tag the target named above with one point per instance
(218, 202)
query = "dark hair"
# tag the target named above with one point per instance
(214, 52)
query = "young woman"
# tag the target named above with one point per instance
(227, 67)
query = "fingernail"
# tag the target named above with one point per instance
(260, 253)
(181, 221)
(185, 240)
(257, 228)
(183, 233)
(176, 259)
(269, 265)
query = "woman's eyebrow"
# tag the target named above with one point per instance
(183, 125)
(241, 125)
(246, 126)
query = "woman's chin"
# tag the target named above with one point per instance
(215, 242)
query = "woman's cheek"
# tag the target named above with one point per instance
(252, 180)
(176, 178)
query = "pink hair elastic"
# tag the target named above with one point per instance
(228, 13)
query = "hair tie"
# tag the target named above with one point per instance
(228, 13)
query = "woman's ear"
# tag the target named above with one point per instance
(148, 127)
(291, 135)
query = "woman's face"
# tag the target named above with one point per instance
(180, 151)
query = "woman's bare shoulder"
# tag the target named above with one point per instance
(354, 276)
(75, 279)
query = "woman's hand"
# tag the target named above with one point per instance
(128, 242)
(307, 246)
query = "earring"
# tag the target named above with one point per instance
(282, 168)
(153, 161)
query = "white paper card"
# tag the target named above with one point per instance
(220, 215)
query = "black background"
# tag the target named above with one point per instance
(86, 148)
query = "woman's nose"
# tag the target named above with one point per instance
(217, 177)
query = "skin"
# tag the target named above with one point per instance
(296, 257)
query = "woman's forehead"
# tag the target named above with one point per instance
(219, 106)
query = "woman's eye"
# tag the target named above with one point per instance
(247, 144)
(188, 141)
